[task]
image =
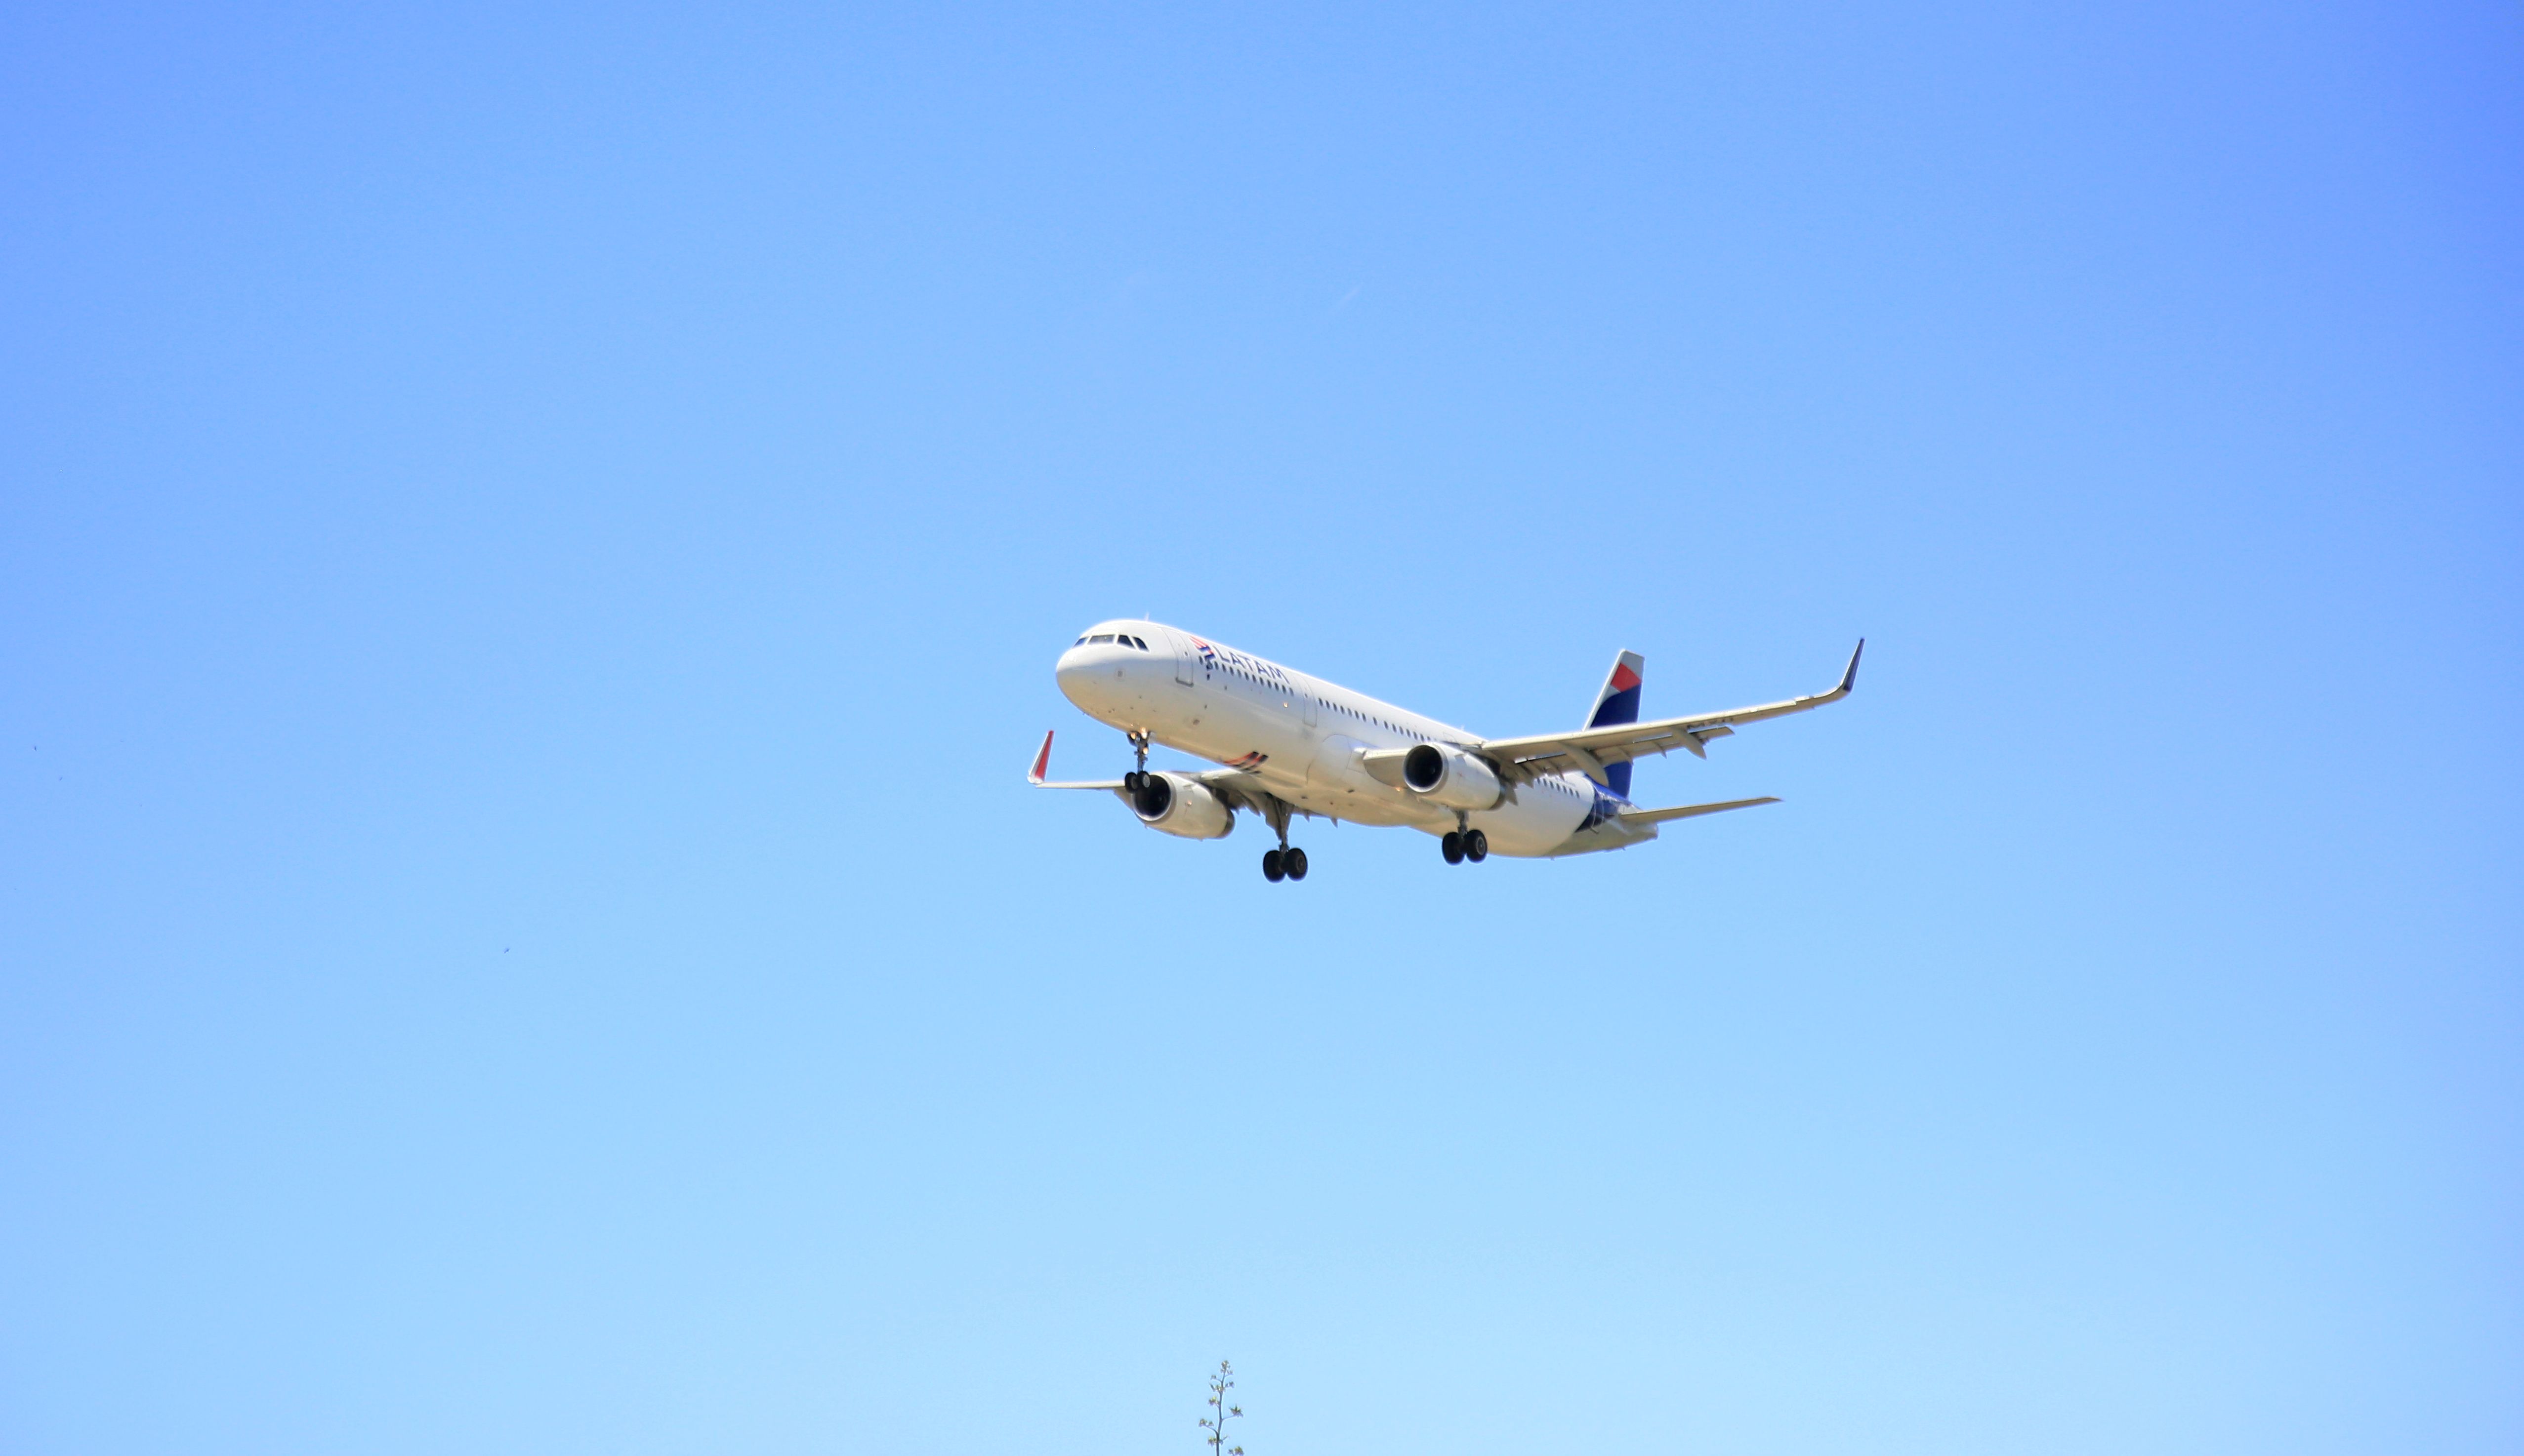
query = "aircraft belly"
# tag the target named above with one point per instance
(1336, 785)
(1319, 773)
(1533, 826)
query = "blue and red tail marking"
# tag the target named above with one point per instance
(1616, 705)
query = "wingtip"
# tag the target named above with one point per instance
(1042, 759)
(1849, 676)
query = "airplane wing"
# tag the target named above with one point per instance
(1590, 750)
(1240, 790)
(1690, 810)
(1042, 762)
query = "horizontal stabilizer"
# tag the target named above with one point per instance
(1689, 810)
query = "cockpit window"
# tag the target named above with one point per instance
(1137, 643)
(1100, 637)
(1082, 641)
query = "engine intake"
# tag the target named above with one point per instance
(1172, 803)
(1445, 774)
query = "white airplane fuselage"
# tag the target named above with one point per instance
(1303, 739)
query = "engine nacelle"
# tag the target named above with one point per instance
(1172, 803)
(1445, 774)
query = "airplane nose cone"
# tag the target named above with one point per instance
(1074, 675)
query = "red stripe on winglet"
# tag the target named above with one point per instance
(1042, 760)
(1623, 679)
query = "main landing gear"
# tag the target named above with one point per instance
(1461, 845)
(1281, 863)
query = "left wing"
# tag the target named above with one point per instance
(1590, 750)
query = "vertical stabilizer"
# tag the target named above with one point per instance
(1616, 705)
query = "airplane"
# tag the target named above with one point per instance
(1290, 745)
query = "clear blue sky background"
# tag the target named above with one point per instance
(534, 546)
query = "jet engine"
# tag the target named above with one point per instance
(1172, 803)
(1445, 774)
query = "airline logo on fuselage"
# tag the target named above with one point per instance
(1213, 656)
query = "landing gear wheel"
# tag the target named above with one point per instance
(1476, 846)
(1135, 781)
(1453, 846)
(1293, 861)
(1272, 867)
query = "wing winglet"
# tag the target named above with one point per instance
(1849, 679)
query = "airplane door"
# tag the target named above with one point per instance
(1182, 659)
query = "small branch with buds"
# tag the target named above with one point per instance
(1220, 1411)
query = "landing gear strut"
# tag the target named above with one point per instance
(1138, 778)
(1282, 862)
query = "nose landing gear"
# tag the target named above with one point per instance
(1138, 778)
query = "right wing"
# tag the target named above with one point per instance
(1042, 761)
(1590, 750)
(1240, 790)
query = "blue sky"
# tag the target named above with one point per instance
(534, 547)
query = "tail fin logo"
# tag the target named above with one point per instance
(1616, 705)
(1619, 700)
